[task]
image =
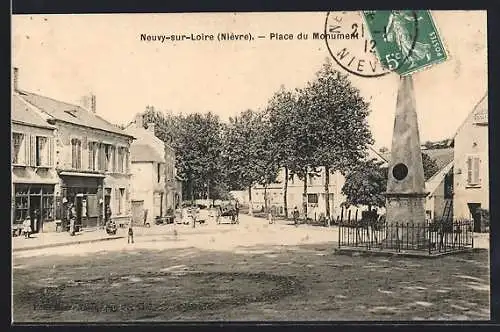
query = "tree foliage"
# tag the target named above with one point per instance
(197, 141)
(249, 152)
(430, 166)
(365, 184)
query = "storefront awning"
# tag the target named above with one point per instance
(30, 176)
(88, 175)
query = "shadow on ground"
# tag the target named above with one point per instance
(306, 282)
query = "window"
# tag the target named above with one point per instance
(108, 154)
(120, 160)
(312, 198)
(473, 170)
(22, 198)
(76, 153)
(93, 150)
(102, 157)
(42, 151)
(48, 208)
(121, 200)
(18, 152)
(158, 171)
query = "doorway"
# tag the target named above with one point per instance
(107, 202)
(475, 210)
(138, 212)
(78, 209)
(35, 213)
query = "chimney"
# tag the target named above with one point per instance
(89, 102)
(139, 121)
(15, 76)
(151, 127)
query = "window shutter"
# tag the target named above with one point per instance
(476, 170)
(469, 170)
(33, 150)
(25, 157)
(50, 142)
(90, 155)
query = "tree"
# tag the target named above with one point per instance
(196, 139)
(339, 123)
(248, 151)
(365, 184)
(280, 110)
(430, 166)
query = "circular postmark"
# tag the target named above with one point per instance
(356, 47)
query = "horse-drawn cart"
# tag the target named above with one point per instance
(227, 214)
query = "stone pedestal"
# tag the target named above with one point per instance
(406, 221)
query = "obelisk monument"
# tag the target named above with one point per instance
(405, 195)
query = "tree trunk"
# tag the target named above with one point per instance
(285, 194)
(208, 190)
(192, 191)
(327, 194)
(304, 197)
(250, 203)
(265, 199)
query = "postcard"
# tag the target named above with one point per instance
(257, 166)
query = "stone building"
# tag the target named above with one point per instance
(32, 166)
(471, 168)
(91, 159)
(154, 181)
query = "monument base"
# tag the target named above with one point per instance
(406, 221)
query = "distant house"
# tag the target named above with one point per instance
(471, 172)
(316, 205)
(154, 180)
(32, 164)
(440, 189)
(91, 159)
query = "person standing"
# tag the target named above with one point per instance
(130, 238)
(295, 215)
(107, 214)
(72, 220)
(237, 208)
(27, 227)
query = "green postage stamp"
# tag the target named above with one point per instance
(406, 41)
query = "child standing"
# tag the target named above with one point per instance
(130, 238)
(27, 227)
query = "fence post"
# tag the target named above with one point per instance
(429, 236)
(472, 233)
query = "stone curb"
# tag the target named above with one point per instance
(354, 251)
(61, 244)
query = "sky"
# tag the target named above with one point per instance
(68, 56)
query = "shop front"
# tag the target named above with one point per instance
(33, 196)
(85, 192)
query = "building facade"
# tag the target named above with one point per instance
(471, 171)
(154, 181)
(32, 166)
(316, 194)
(92, 161)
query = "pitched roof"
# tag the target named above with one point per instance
(144, 153)
(23, 113)
(441, 156)
(70, 113)
(433, 183)
(480, 108)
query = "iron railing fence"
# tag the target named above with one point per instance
(433, 238)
